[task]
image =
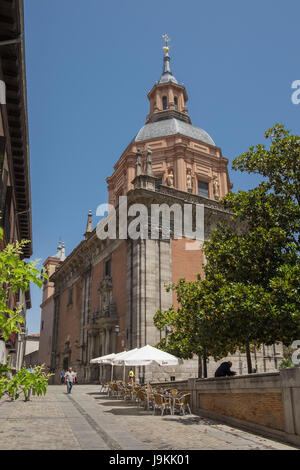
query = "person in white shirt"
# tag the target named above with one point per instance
(69, 379)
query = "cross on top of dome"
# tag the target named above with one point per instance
(167, 75)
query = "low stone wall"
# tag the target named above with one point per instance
(265, 403)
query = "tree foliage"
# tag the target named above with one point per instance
(15, 277)
(24, 382)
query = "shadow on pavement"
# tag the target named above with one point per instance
(191, 420)
(128, 412)
(118, 403)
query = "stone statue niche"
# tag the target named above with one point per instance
(189, 181)
(106, 302)
(170, 178)
(149, 170)
(216, 187)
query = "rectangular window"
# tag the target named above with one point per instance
(202, 189)
(70, 299)
(107, 268)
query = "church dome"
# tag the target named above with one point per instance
(171, 127)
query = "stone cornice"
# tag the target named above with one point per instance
(129, 152)
(92, 250)
(47, 301)
(88, 253)
(164, 194)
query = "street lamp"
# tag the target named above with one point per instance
(122, 334)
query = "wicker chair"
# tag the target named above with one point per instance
(111, 390)
(141, 397)
(104, 387)
(127, 393)
(120, 390)
(161, 403)
(182, 403)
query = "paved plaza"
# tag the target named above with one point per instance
(89, 420)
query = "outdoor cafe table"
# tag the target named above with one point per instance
(172, 398)
(146, 356)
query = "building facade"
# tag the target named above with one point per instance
(31, 357)
(108, 289)
(15, 199)
(47, 307)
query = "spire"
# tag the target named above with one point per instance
(167, 98)
(58, 254)
(167, 75)
(61, 252)
(88, 224)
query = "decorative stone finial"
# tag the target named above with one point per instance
(63, 252)
(89, 228)
(138, 165)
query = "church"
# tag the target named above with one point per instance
(102, 297)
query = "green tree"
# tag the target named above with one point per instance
(24, 382)
(15, 276)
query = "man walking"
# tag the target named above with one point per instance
(69, 379)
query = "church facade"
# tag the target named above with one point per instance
(103, 296)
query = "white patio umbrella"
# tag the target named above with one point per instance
(107, 359)
(117, 360)
(103, 359)
(148, 355)
(112, 359)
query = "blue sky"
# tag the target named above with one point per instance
(90, 65)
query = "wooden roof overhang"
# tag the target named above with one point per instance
(14, 112)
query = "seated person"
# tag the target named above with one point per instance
(224, 369)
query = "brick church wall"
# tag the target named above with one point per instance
(69, 322)
(185, 263)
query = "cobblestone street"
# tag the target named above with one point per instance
(89, 420)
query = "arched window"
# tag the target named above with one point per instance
(176, 102)
(164, 102)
